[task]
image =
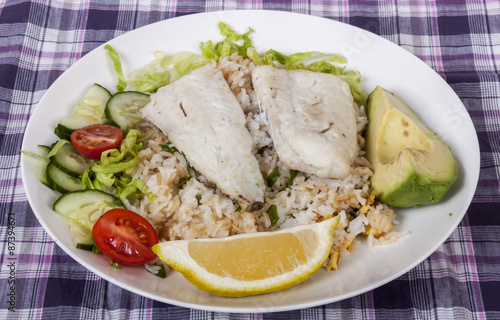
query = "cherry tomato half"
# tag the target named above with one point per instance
(93, 140)
(125, 237)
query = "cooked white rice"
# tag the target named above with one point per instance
(200, 210)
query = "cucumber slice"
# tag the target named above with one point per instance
(86, 206)
(71, 161)
(84, 246)
(43, 150)
(90, 110)
(123, 108)
(80, 235)
(61, 181)
(38, 163)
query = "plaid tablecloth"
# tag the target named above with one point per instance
(457, 38)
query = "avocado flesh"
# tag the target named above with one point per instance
(411, 166)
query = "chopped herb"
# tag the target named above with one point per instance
(115, 264)
(182, 182)
(293, 174)
(162, 273)
(451, 214)
(272, 212)
(198, 198)
(169, 147)
(353, 212)
(96, 250)
(238, 209)
(191, 170)
(272, 177)
(84, 246)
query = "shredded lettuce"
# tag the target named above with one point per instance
(273, 56)
(315, 56)
(117, 65)
(231, 44)
(253, 55)
(108, 171)
(88, 182)
(183, 63)
(33, 154)
(208, 50)
(150, 77)
(353, 78)
(313, 60)
(133, 190)
(55, 149)
(164, 70)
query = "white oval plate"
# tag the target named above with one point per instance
(380, 62)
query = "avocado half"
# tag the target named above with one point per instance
(411, 165)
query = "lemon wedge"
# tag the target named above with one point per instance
(250, 264)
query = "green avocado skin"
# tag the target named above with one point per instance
(407, 181)
(416, 191)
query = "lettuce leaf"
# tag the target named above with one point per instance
(183, 63)
(117, 65)
(233, 42)
(108, 171)
(353, 78)
(133, 189)
(55, 149)
(150, 77)
(164, 70)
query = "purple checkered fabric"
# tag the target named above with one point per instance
(459, 39)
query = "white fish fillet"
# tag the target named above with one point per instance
(202, 118)
(312, 119)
